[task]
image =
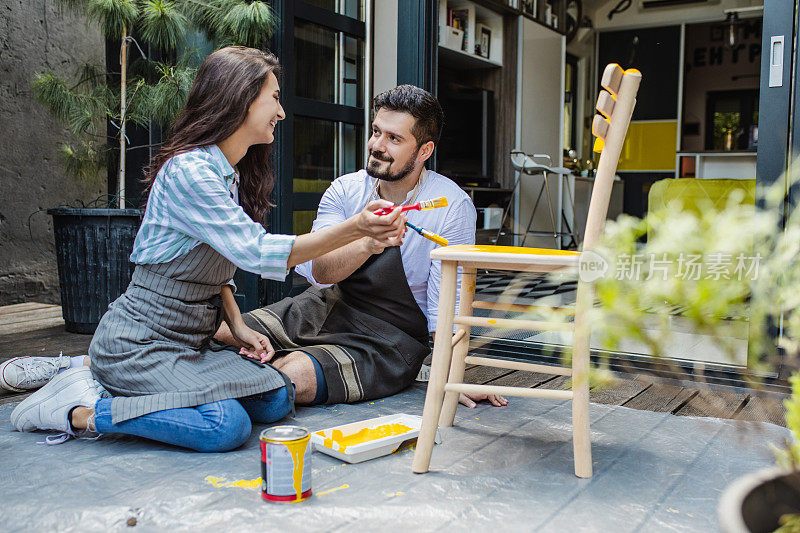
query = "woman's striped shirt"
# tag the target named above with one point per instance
(192, 202)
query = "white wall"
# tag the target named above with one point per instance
(702, 75)
(541, 101)
(636, 17)
(384, 65)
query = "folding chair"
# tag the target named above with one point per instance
(615, 105)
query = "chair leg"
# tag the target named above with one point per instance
(581, 439)
(457, 364)
(442, 352)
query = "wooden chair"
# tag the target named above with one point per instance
(615, 105)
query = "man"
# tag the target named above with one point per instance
(361, 332)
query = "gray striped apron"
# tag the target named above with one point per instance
(367, 332)
(151, 348)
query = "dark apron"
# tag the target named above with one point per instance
(367, 331)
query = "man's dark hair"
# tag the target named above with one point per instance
(419, 103)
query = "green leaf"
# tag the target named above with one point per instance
(116, 16)
(163, 24)
(53, 93)
(83, 161)
(249, 24)
(168, 96)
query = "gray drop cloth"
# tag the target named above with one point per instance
(498, 466)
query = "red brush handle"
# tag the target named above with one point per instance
(387, 210)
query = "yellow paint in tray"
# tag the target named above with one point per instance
(343, 441)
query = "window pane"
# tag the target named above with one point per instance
(351, 8)
(314, 154)
(330, 65)
(302, 221)
(353, 79)
(352, 148)
(323, 151)
(315, 49)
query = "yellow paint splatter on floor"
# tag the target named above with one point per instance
(392, 495)
(221, 482)
(324, 492)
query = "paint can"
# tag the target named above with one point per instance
(285, 464)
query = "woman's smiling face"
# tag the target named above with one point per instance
(264, 113)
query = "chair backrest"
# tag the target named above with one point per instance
(615, 105)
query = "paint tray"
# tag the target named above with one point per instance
(370, 449)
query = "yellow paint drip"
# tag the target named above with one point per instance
(324, 492)
(364, 435)
(298, 450)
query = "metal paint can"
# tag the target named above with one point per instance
(285, 464)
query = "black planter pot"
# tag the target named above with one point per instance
(93, 247)
(755, 502)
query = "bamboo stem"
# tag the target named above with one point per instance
(123, 62)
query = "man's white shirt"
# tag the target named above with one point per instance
(349, 194)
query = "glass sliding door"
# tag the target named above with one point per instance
(324, 53)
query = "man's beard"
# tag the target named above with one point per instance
(387, 175)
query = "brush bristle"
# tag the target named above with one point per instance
(438, 239)
(433, 204)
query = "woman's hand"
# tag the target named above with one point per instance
(386, 229)
(254, 344)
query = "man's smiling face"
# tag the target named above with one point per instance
(392, 148)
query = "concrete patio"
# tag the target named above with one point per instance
(508, 468)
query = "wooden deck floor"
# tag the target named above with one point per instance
(37, 329)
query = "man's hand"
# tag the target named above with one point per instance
(470, 399)
(374, 246)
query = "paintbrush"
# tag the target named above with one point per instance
(419, 206)
(438, 239)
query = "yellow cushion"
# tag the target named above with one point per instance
(695, 195)
(698, 193)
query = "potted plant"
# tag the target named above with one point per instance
(727, 130)
(769, 500)
(93, 245)
(717, 269)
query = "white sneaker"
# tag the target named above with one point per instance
(49, 407)
(27, 373)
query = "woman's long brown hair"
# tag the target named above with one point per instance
(227, 83)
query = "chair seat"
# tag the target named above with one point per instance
(497, 256)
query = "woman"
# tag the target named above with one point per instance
(208, 191)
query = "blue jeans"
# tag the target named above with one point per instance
(213, 427)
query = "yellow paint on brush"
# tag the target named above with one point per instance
(598, 145)
(361, 436)
(438, 239)
(491, 321)
(324, 492)
(433, 204)
(220, 482)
